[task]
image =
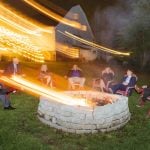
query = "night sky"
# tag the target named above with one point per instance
(88, 6)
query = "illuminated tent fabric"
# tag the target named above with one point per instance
(82, 19)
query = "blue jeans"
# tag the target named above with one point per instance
(5, 100)
(117, 87)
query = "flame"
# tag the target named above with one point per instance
(31, 87)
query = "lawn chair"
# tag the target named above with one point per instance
(96, 85)
(127, 92)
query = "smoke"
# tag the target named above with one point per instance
(108, 22)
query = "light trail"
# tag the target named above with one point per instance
(55, 16)
(69, 51)
(3, 49)
(19, 22)
(28, 86)
(20, 44)
(102, 48)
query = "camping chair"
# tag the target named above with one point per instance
(127, 92)
(96, 84)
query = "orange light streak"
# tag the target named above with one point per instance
(55, 16)
(20, 22)
(93, 44)
(39, 90)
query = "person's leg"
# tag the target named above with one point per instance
(102, 85)
(81, 81)
(5, 100)
(49, 81)
(117, 87)
(71, 83)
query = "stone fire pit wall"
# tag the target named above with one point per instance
(81, 119)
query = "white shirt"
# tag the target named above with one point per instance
(126, 82)
(15, 68)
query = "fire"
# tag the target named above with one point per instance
(25, 85)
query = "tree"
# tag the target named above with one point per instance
(136, 35)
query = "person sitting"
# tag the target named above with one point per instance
(75, 76)
(13, 68)
(129, 80)
(45, 75)
(145, 94)
(4, 97)
(105, 80)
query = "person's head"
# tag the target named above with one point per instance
(44, 68)
(107, 69)
(15, 60)
(129, 72)
(75, 67)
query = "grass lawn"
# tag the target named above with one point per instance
(21, 130)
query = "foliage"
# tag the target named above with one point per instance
(136, 35)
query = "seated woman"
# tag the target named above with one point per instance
(129, 80)
(105, 80)
(75, 76)
(45, 76)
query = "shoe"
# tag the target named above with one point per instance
(138, 106)
(9, 108)
(6, 108)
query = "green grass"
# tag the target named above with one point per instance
(20, 129)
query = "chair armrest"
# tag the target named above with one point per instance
(128, 88)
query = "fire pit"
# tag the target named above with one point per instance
(102, 112)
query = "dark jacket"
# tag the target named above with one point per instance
(132, 82)
(9, 70)
(4, 91)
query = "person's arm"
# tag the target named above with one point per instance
(81, 73)
(68, 74)
(132, 81)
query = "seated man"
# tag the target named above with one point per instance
(75, 76)
(129, 80)
(13, 68)
(105, 80)
(4, 96)
(45, 75)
